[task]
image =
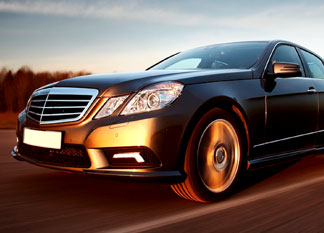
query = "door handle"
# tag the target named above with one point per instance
(311, 90)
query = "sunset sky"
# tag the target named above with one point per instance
(127, 35)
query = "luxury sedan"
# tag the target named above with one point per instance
(196, 120)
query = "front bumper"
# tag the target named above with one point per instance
(140, 174)
(159, 135)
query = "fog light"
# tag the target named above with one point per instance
(137, 156)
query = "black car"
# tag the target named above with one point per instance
(197, 119)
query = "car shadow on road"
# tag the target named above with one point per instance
(251, 178)
(92, 189)
(101, 191)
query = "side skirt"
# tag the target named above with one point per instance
(256, 163)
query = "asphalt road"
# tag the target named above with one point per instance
(288, 198)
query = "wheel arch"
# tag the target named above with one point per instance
(227, 104)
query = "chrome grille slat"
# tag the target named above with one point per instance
(38, 101)
(55, 107)
(60, 104)
(34, 106)
(35, 113)
(61, 114)
(53, 100)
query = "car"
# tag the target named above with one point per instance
(197, 120)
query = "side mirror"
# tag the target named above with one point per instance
(286, 70)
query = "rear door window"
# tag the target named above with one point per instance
(314, 64)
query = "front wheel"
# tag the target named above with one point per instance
(213, 158)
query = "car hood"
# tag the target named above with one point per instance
(124, 83)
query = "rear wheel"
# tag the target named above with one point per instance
(213, 158)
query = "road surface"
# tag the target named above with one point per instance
(288, 198)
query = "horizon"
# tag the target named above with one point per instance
(121, 36)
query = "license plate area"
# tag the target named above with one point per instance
(43, 138)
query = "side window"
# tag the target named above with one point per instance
(286, 54)
(314, 64)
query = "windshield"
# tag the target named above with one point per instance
(242, 55)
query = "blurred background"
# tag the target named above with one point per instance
(45, 41)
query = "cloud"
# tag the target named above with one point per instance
(299, 21)
(127, 10)
(285, 17)
(307, 15)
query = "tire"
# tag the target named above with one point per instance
(213, 158)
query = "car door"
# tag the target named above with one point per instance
(315, 68)
(291, 108)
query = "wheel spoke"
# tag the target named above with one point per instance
(218, 155)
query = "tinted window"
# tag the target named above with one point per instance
(188, 64)
(286, 54)
(241, 55)
(314, 64)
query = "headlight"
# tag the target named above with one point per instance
(153, 98)
(110, 106)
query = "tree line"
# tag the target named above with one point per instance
(16, 87)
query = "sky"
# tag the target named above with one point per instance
(129, 35)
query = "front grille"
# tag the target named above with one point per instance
(60, 104)
(68, 156)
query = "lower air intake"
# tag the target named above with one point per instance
(69, 156)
